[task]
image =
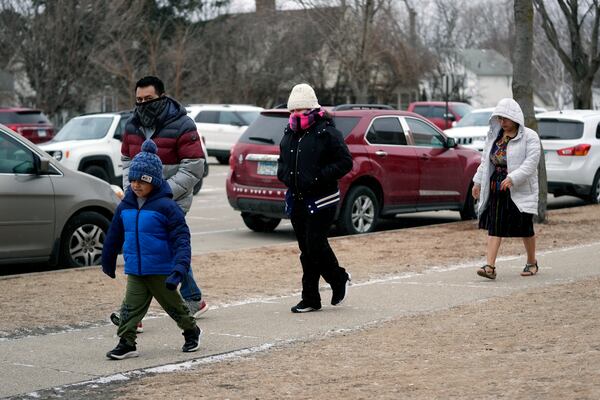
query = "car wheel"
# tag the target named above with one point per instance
(260, 223)
(595, 192)
(198, 186)
(83, 239)
(223, 159)
(360, 211)
(469, 210)
(97, 171)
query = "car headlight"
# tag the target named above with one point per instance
(118, 191)
(58, 155)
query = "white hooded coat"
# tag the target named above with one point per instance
(522, 154)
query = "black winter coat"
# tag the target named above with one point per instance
(311, 162)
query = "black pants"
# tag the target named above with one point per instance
(317, 257)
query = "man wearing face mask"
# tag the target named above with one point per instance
(165, 121)
(313, 157)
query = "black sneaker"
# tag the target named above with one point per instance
(123, 350)
(339, 291)
(304, 307)
(192, 340)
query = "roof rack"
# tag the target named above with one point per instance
(343, 107)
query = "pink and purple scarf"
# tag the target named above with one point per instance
(301, 121)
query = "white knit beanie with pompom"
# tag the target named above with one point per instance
(302, 97)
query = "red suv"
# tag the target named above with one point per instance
(29, 123)
(401, 164)
(435, 111)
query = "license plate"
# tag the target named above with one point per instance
(41, 132)
(266, 168)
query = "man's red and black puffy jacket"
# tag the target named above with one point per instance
(179, 149)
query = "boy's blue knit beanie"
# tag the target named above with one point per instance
(146, 165)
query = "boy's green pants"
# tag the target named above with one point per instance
(139, 294)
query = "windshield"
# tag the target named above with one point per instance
(461, 109)
(560, 129)
(84, 129)
(268, 128)
(480, 118)
(248, 116)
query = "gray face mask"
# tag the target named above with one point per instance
(149, 111)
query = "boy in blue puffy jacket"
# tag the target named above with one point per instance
(151, 229)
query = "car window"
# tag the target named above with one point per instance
(121, 127)
(14, 157)
(422, 110)
(84, 129)
(423, 134)
(481, 118)
(268, 128)
(386, 131)
(23, 117)
(461, 109)
(554, 129)
(248, 116)
(207, 117)
(438, 112)
(229, 118)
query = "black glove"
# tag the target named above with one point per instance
(173, 280)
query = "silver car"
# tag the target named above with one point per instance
(49, 213)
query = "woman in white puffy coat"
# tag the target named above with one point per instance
(506, 184)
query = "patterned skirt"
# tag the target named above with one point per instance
(501, 217)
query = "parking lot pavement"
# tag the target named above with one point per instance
(40, 362)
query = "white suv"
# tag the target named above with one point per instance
(221, 125)
(571, 141)
(92, 144)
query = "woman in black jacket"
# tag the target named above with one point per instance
(313, 157)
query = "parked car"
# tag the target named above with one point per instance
(92, 144)
(571, 142)
(221, 125)
(471, 131)
(401, 164)
(27, 122)
(49, 213)
(435, 111)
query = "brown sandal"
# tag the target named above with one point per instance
(527, 271)
(486, 273)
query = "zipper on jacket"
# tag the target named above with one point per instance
(137, 241)
(296, 163)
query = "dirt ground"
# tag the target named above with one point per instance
(539, 344)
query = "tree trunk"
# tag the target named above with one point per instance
(582, 93)
(522, 85)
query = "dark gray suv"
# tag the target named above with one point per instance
(49, 213)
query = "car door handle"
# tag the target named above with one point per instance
(424, 157)
(381, 153)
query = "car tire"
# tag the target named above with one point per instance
(360, 211)
(82, 239)
(260, 223)
(595, 192)
(198, 186)
(223, 159)
(469, 210)
(98, 172)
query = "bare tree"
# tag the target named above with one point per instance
(522, 85)
(580, 55)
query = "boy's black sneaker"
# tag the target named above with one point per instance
(340, 290)
(123, 350)
(305, 307)
(192, 340)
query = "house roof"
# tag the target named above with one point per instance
(486, 62)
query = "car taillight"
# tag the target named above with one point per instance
(14, 128)
(579, 150)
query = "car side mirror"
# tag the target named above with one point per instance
(42, 165)
(118, 136)
(450, 143)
